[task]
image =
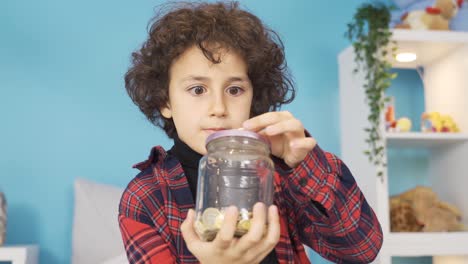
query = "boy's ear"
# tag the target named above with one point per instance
(166, 112)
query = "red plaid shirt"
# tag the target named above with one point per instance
(319, 204)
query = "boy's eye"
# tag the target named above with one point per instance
(197, 90)
(235, 90)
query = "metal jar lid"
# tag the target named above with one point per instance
(237, 133)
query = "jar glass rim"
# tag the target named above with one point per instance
(237, 133)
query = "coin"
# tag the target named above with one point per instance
(244, 224)
(199, 227)
(209, 217)
(219, 220)
(244, 214)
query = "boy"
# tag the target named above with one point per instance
(207, 67)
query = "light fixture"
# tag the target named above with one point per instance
(406, 57)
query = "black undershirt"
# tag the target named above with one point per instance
(189, 160)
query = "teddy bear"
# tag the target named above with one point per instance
(436, 17)
(420, 210)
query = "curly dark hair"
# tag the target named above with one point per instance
(176, 28)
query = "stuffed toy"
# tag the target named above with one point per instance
(448, 125)
(435, 122)
(403, 124)
(420, 210)
(436, 17)
(390, 122)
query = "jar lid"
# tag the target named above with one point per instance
(237, 133)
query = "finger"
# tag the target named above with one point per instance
(298, 150)
(225, 235)
(273, 231)
(257, 228)
(307, 143)
(291, 125)
(188, 232)
(272, 236)
(261, 121)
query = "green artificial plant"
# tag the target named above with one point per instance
(371, 37)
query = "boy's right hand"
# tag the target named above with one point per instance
(252, 247)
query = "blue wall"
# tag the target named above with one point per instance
(65, 112)
(407, 167)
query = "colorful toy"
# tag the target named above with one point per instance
(430, 122)
(448, 125)
(436, 17)
(390, 122)
(403, 125)
(435, 122)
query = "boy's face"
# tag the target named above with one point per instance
(206, 97)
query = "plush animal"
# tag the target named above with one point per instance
(448, 125)
(403, 124)
(435, 122)
(390, 122)
(436, 17)
(430, 122)
(420, 210)
(403, 217)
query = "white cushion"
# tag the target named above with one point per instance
(96, 234)
(121, 259)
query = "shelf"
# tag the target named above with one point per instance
(20, 254)
(427, 244)
(426, 140)
(443, 57)
(429, 45)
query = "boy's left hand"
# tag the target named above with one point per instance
(286, 135)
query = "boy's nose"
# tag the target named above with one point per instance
(218, 106)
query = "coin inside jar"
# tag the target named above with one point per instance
(210, 216)
(211, 220)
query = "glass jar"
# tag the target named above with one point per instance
(236, 170)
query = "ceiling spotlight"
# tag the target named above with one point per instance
(406, 57)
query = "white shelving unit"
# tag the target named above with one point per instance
(427, 244)
(444, 57)
(27, 254)
(424, 140)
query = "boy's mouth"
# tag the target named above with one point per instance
(213, 130)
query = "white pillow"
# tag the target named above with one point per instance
(96, 234)
(122, 259)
